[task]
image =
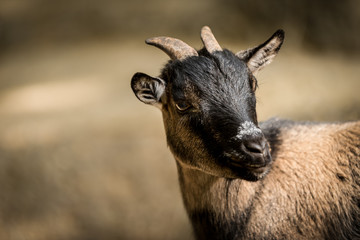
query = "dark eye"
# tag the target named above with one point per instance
(253, 83)
(182, 106)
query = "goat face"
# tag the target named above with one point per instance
(208, 104)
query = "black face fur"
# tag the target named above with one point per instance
(209, 110)
(218, 92)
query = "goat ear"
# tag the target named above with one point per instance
(148, 89)
(260, 56)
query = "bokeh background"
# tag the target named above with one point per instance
(81, 158)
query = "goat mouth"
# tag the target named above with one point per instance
(251, 171)
(259, 170)
(253, 168)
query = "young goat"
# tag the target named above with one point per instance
(232, 187)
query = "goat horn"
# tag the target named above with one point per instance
(175, 48)
(209, 40)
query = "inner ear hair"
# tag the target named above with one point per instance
(262, 55)
(148, 89)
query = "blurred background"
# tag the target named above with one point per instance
(81, 158)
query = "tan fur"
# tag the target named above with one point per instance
(305, 175)
(314, 178)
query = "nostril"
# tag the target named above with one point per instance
(253, 147)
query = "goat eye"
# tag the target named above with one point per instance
(253, 83)
(183, 106)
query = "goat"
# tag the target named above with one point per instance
(240, 179)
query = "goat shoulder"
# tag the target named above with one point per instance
(313, 187)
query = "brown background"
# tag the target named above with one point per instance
(81, 158)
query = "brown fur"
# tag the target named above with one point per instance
(311, 192)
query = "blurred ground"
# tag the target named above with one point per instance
(81, 158)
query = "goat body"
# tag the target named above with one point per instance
(239, 179)
(311, 192)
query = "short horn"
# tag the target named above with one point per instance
(209, 40)
(175, 48)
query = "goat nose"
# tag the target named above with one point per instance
(255, 147)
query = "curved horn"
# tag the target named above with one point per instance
(209, 40)
(175, 48)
